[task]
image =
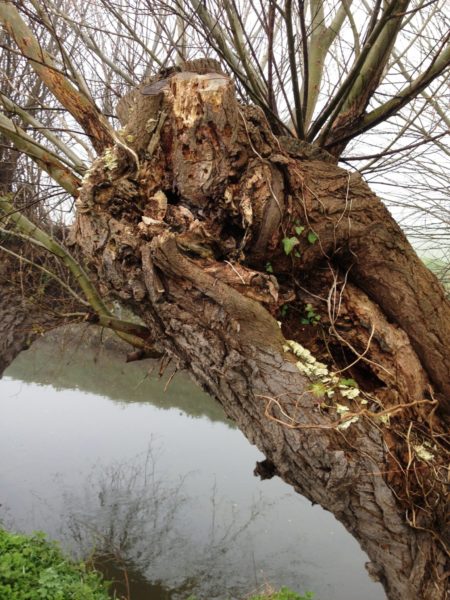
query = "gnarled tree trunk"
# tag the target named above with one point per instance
(212, 229)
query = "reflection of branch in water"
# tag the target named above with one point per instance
(137, 527)
(229, 533)
(126, 511)
(6, 520)
(227, 550)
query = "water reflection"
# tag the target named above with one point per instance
(160, 490)
(77, 361)
(125, 510)
(132, 522)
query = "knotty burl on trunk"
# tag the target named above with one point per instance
(212, 229)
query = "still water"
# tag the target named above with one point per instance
(101, 456)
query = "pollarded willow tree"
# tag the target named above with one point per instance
(217, 214)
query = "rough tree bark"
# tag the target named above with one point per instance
(208, 229)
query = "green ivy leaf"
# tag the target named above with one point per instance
(348, 382)
(284, 310)
(289, 244)
(269, 267)
(312, 237)
(299, 229)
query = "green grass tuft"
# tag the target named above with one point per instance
(32, 568)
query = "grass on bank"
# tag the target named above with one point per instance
(32, 568)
